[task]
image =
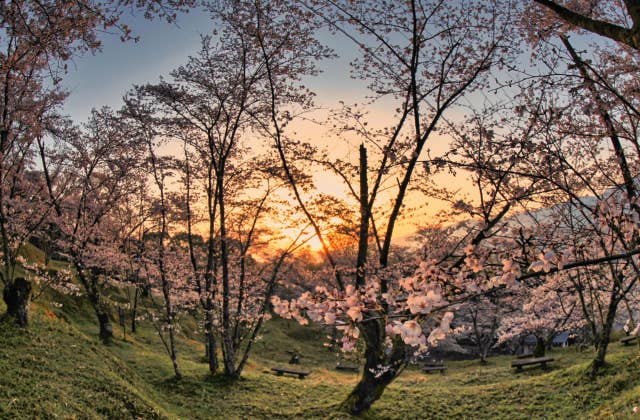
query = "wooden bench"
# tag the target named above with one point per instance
(518, 364)
(347, 368)
(281, 370)
(524, 356)
(428, 368)
(627, 340)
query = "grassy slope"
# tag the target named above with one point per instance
(57, 368)
(52, 369)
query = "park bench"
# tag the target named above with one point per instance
(282, 370)
(347, 368)
(524, 356)
(434, 367)
(518, 364)
(627, 340)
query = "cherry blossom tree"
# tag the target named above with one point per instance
(38, 38)
(135, 216)
(209, 109)
(478, 320)
(425, 57)
(575, 124)
(618, 21)
(168, 267)
(28, 114)
(543, 311)
(105, 160)
(585, 117)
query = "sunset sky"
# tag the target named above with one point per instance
(102, 79)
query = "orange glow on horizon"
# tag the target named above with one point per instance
(314, 244)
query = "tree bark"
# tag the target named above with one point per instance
(173, 355)
(380, 369)
(134, 310)
(540, 349)
(229, 352)
(16, 296)
(605, 116)
(106, 330)
(483, 358)
(628, 36)
(212, 353)
(605, 335)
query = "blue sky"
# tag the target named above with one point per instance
(102, 78)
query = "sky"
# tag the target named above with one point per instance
(104, 77)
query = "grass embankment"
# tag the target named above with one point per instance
(58, 368)
(54, 370)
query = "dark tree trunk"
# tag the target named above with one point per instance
(540, 349)
(382, 364)
(380, 368)
(134, 310)
(484, 352)
(173, 353)
(227, 342)
(602, 341)
(93, 293)
(146, 291)
(106, 330)
(212, 357)
(16, 296)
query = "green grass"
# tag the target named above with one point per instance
(53, 370)
(58, 368)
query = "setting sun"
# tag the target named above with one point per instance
(314, 244)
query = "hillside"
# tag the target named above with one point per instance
(58, 368)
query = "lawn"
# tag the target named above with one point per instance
(58, 368)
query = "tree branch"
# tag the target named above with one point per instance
(630, 37)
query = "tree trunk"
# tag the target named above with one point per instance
(16, 296)
(380, 368)
(106, 330)
(93, 293)
(211, 349)
(212, 356)
(227, 342)
(172, 354)
(134, 310)
(230, 370)
(540, 349)
(602, 341)
(484, 352)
